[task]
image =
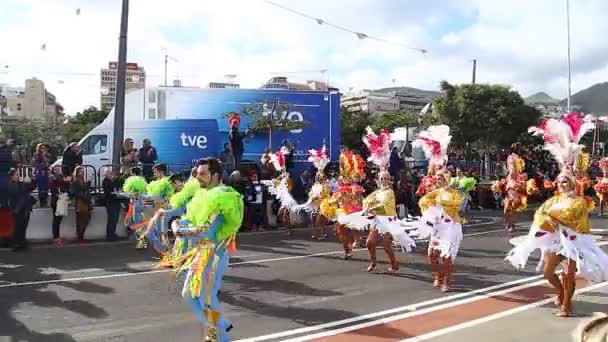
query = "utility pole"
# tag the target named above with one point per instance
(166, 60)
(119, 109)
(569, 74)
(474, 70)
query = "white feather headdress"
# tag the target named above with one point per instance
(434, 141)
(319, 158)
(562, 138)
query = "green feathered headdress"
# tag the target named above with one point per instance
(182, 198)
(135, 184)
(160, 187)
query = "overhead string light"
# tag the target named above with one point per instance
(359, 35)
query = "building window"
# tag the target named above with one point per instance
(152, 113)
(152, 96)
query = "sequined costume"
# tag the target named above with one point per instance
(513, 189)
(561, 227)
(601, 185)
(208, 232)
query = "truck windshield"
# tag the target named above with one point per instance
(94, 144)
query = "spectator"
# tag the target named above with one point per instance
(59, 184)
(110, 187)
(72, 156)
(147, 156)
(7, 162)
(21, 203)
(41, 163)
(254, 202)
(236, 182)
(227, 159)
(79, 189)
(128, 157)
(395, 164)
(288, 151)
(236, 143)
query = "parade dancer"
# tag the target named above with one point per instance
(379, 213)
(135, 188)
(513, 189)
(159, 225)
(601, 187)
(318, 193)
(346, 200)
(434, 141)
(213, 218)
(441, 207)
(561, 227)
(281, 188)
(157, 194)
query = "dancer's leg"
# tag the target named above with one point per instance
(388, 248)
(371, 242)
(568, 288)
(551, 262)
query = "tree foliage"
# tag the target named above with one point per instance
(392, 120)
(484, 115)
(353, 126)
(80, 124)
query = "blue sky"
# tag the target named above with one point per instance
(519, 43)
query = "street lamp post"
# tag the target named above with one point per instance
(119, 109)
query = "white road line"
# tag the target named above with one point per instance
(493, 317)
(410, 307)
(414, 313)
(117, 275)
(404, 315)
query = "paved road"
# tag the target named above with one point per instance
(279, 287)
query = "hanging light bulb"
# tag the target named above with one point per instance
(78, 11)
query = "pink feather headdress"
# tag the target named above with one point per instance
(319, 158)
(379, 147)
(278, 160)
(562, 138)
(434, 141)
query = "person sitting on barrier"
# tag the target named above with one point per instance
(212, 220)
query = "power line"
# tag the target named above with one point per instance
(360, 35)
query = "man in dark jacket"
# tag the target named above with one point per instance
(147, 156)
(21, 203)
(110, 187)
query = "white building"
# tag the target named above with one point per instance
(136, 79)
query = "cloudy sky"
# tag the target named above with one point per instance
(519, 42)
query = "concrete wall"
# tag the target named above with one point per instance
(40, 227)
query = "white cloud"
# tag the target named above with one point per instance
(518, 42)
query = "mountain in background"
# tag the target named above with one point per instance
(591, 100)
(541, 98)
(427, 94)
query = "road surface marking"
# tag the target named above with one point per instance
(496, 316)
(409, 307)
(399, 309)
(118, 275)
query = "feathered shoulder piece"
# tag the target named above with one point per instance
(352, 166)
(319, 158)
(379, 147)
(562, 138)
(434, 141)
(278, 161)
